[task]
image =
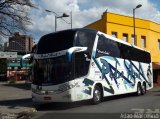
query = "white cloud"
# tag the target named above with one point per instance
(87, 11)
(43, 23)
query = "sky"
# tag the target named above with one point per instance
(85, 12)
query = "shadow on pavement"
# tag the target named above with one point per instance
(60, 106)
(27, 102)
(64, 106)
(116, 97)
(25, 86)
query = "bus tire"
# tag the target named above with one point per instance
(144, 89)
(97, 95)
(139, 89)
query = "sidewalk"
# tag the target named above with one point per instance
(155, 88)
(15, 100)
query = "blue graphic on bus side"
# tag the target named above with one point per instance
(110, 89)
(114, 74)
(88, 82)
(141, 72)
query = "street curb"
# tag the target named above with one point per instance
(26, 114)
(17, 82)
(155, 89)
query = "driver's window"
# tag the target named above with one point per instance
(81, 64)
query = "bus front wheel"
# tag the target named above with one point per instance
(97, 95)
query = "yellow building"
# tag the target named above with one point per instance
(147, 34)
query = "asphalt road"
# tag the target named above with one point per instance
(17, 98)
(112, 107)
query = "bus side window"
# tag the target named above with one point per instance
(81, 64)
(85, 39)
(107, 47)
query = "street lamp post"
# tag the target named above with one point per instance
(71, 19)
(57, 16)
(134, 24)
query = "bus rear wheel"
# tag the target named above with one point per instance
(97, 95)
(144, 89)
(139, 89)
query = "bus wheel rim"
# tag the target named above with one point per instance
(139, 90)
(97, 95)
(144, 88)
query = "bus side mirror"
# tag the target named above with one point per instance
(72, 50)
(31, 60)
(24, 57)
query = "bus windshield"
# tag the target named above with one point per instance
(51, 65)
(52, 71)
(55, 42)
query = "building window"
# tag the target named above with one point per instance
(114, 34)
(143, 41)
(134, 41)
(125, 37)
(159, 44)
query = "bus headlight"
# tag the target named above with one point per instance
(42, 92)
(50, 92)
(46, 92)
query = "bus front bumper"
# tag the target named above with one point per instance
(46, 98)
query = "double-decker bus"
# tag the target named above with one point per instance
(81, 64)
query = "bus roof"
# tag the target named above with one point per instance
(72, 33)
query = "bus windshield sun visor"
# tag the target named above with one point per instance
(60, 53)
(50, 55)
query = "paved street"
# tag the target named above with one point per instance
(16, 98)
(114, 105)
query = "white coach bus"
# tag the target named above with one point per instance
(81, 64)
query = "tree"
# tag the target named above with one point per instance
(14, 16)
